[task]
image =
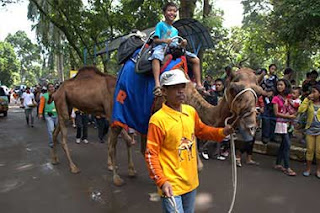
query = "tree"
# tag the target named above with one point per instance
(9, 64)
(28, 54)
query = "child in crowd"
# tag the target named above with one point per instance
(267, 116)
(311, 105)
(294, 102)
(164, 33)
(280, 108)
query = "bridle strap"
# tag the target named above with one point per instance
(233, 101)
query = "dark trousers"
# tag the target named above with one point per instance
(82, 125)
(245, 146)
(268, 126)
(103, 127)
(284, 151)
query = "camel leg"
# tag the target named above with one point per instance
(54, 157)
(115, 131)
(143, 144)
(73, 168)
(131, 170)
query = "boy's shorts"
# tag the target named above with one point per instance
(158, 53)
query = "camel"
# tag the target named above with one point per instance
(90, 91)
(243, 108)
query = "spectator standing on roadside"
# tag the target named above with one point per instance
(311, 105)
(28, 103)
(81, 126)
(280, 107)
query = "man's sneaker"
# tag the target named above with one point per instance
(85, 141)
(220, 157)
(204, 155)
(78, 140)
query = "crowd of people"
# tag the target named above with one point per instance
(284, 109)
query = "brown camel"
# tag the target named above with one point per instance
(244, 108)
(90, 91)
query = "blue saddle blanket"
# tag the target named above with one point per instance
(133, 97)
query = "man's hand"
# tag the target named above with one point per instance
(167, 189)
(40, 116)
(227, 130)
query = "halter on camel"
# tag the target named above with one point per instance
(233, 153)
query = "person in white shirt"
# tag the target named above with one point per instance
(28, 103)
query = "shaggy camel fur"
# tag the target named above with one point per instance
(211, 115)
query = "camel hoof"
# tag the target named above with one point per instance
(74, 170)
(132, 173)
(118, 181)
(55, 161)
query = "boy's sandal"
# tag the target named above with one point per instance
(318, 175)
(279, 167)
(290, 172)
(157, 91)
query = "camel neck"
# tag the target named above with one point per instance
(209, 114)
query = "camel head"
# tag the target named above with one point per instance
(242, 91)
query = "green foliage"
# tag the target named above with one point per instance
(9, 64)
(28, 54)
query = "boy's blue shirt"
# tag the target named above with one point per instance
(165, 31)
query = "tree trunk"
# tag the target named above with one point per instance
(288, 60)
(187, 8)
(206, 8)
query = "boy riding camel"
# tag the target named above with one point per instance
(164, 33)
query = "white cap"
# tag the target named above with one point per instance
(173, 77)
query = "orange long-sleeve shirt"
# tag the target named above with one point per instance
(41, 105)
(171, 147)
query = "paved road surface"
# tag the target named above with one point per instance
(30, 184)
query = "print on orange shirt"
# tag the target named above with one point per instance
(186, 144)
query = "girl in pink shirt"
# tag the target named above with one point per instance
(280, 107)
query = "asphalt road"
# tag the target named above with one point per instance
(30, 184)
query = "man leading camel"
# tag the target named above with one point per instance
(171, 147)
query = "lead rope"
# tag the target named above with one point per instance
(173, 203)
(232, 145)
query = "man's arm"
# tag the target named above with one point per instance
(154, 140)
(205, 132)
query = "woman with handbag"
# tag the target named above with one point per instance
(311, 106)
(280, 107)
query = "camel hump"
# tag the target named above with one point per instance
(89, 70)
